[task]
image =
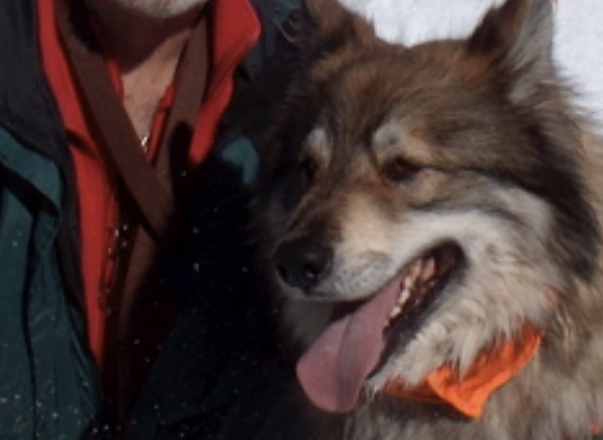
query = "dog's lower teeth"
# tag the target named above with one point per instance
(404, 296)
(421, 272)
(413, 275)
(395, 312)
(397, 309)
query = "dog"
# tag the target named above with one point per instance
(431, 218)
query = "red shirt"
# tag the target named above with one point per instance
(234, 31)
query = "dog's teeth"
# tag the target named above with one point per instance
(397, 309)
(413, 273)
(395, 312)
(403, 297)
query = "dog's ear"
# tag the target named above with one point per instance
(517, 37)
(333, 26)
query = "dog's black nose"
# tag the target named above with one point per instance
(303, 263)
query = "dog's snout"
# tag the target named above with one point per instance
(303, 263)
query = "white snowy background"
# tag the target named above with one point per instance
(578, 40)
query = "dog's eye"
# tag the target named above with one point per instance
(308, 168)
(399, 169)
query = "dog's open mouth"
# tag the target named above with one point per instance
(333, 371)
(420, 285)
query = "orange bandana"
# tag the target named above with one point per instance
(469, 393)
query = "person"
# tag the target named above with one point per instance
(129, 139)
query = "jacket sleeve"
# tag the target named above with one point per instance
(48, 388)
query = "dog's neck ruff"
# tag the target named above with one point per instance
(468, 393)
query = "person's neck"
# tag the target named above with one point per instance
(135, 39)
(147, 51)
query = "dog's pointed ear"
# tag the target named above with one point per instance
(517, 37)
(335, 27)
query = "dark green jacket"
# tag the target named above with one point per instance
(219, 374)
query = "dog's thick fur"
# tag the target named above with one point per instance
(386, 152)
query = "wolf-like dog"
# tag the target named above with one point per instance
(431, 216)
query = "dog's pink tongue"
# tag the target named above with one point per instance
(332, 372)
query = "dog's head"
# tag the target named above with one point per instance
(423, 204)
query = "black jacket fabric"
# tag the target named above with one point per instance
(220, 374)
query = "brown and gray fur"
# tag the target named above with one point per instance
(384, 151)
